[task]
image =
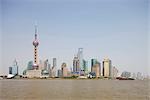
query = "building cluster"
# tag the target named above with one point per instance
(39, 69)
(80, 66)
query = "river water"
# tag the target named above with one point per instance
(60, 89)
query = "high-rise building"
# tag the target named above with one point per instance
(95, 62)
(14, 68)
(10, 70)
(30, 65)
(99, 68)
(54, 62)
(64, 70)
(53, 69)
(80, 57)
(76, 67)
(85, 66)
(46, 64)
(45, 69)
(114, 72)
(107, 68)
(49, 67)
(59, 73)
(79, 64)
(53, 72)
(95, 69)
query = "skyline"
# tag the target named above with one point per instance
(117, 30)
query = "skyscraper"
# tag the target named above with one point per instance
(114, 72)
(46, 64)
(45, 69)
(93, 62)
(30, 65)
(41, 65)
(99, 68)
(85, 66)
(49, 67)
(54, 66)
(59, 73)
(95, 67)
(53, 72)
(53, 69)
(80, 57)
(54, 62)
(10, 70)
(64, 70)
(107, 68)
(76, 67)
(14, 68)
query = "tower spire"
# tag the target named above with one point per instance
(35, 32)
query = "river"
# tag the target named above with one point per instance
(67, 89)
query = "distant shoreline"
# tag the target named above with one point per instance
(73, 79)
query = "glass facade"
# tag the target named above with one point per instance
(30, 65)
(93, 62)
(85, 65)
(14, 69)
(80, 57)
(76, 67)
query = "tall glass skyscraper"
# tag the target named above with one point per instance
(30, 65)
(80, 57)
(54, 62)
(93, 62)
(46, 64)
(76, 67)
(10, 70)
(85, 66)
(14, 68)
(53, 69)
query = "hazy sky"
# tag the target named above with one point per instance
(117, 29)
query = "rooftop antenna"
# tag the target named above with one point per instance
(35, 30)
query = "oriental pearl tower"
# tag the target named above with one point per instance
(35, 44)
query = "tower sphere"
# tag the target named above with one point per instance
(35, 66)
(35, 43)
